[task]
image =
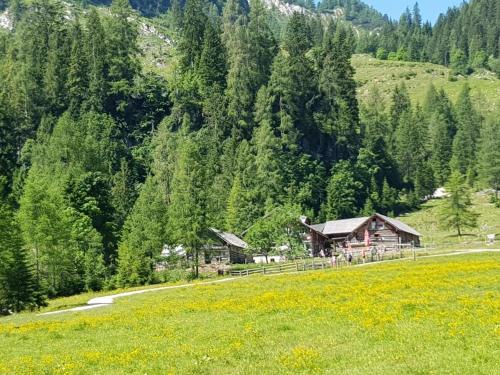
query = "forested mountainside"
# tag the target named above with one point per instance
(466, 38)
(102, 164)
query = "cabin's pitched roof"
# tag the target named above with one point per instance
(345, 226)
(230, 238)
(399, 225)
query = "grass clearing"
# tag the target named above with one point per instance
(426, 221)
(435, 315)
(485, 87)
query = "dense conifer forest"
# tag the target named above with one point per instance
(102, 164)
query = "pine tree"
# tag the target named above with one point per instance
(77, 73)
(193, 31)
(238, 213)
(187, 210)
(468, 127)
(18, 288)
(57, 71)
(212, 64)
(174, 15)
(144, 236)
(122, 57)
(400, 104)
(489, 155)
(442, 130)
(458, 62)
(339, 117)
(342, 192)
(95, 50)
(455, 211)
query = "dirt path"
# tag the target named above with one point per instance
(108, 300)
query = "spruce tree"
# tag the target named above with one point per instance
(187, 210)
(211, 67)
(193, 31)
(122, 57)
(18, 287)
(95, 50)
(342, 192)
(455, 212)
(144, 235)
(489, 156)
(77, 73)
(466, 139)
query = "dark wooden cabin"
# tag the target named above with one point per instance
(226, 247)
(361, 233)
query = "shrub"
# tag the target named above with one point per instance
(381, 54)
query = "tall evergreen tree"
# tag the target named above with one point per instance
(489, 156)
(212, 64)
(342, 192)
(466, 139)
(77, 73)
(193, 31)
(455, 212)
(187, 210)
(122, 56)
(95, 50)
(18, 287)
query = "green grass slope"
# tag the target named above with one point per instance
(435, 315)
(370, 72)
(426, 221)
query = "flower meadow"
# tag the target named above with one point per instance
(435, 315)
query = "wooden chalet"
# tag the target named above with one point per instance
(226, 247)
(361, 233)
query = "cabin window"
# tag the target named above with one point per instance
(377, 225)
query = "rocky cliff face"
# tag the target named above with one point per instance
(287, 9)
(5, 20)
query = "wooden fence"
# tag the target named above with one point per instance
(323, 263)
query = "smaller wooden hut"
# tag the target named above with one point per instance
(226, 247)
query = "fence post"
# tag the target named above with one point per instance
(297, 266)
(414, 254)
(247, 272)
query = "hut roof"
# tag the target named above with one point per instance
(399, 225)
(345, 226)
(230, 238)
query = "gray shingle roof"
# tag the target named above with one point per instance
(400, 225)
(230, 238)
(337, 227)
(343, 226)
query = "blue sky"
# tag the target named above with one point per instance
(430, 9)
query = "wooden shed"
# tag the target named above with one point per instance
(226, 247)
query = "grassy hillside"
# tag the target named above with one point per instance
(426, 221)
(485, 87)
(436, 315)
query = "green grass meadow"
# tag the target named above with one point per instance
(370, 72)
(438, 238)
(435, 315)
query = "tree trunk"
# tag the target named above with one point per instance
(196, 263)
